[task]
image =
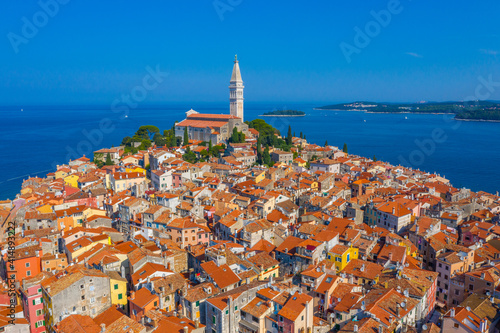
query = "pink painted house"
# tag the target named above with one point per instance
(31, 295)
(176, 179)
(185, 232)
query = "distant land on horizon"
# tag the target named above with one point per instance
(471, 110)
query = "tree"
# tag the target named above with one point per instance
(374, 158)
(259, 150)
(210, 146)
(304, 136)
(301, 135)
(147, 131)
(294, 134)
(326, 143)
(289, 136)
(237, 137)
(108, 160)
(173, 141)
(186, 136)
(345, 148)
(266, 158)
(189, 156)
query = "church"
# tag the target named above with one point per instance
(217, 127)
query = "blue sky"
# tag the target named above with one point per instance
(91, 52)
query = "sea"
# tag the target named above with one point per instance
(34, 140)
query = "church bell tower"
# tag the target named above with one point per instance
(236, 91)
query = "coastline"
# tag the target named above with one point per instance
(281, 115)
(418, 113)
(481, 120)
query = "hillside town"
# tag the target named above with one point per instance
(221, 225)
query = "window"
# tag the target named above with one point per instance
(83, 297)
(197, 303)
(235, 308)
(302, 318)
(471, 287)
(456, 325)
(120, 296)
(84, 308)
(213, 319)
(156, 303)
(116, 286)
(28, 273)
(27, 264)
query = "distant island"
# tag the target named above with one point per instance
(473, 110)
(284, 113)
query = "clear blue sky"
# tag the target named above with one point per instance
(92, 51)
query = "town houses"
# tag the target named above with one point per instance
(227, 226)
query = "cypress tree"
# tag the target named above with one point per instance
(108, 160)
(345, 148)
(289, 136)
(326, 143)
(186, 136)
(259, 150)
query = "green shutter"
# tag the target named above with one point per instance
(213, 319)
(34, 302)
(197, 303)
(44, 323)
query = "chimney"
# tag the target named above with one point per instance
(397, 309)
(132, 295)
(452, 312)
(482, 276)
(197, 324)
(482, 326)
(393, 210)
(103, 327)
(355, 328)
(390, 256)
(185, 329)
(380, 328)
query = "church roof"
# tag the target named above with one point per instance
(203, 120)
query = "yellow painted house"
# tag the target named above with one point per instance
(59, 174)
(273, 271)
(71, 180)
(82, 245)
(45, 209)
(118, 289)
(341, 255)
(136, 169)
(93, 211)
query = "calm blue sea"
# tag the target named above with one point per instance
(33, 141)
